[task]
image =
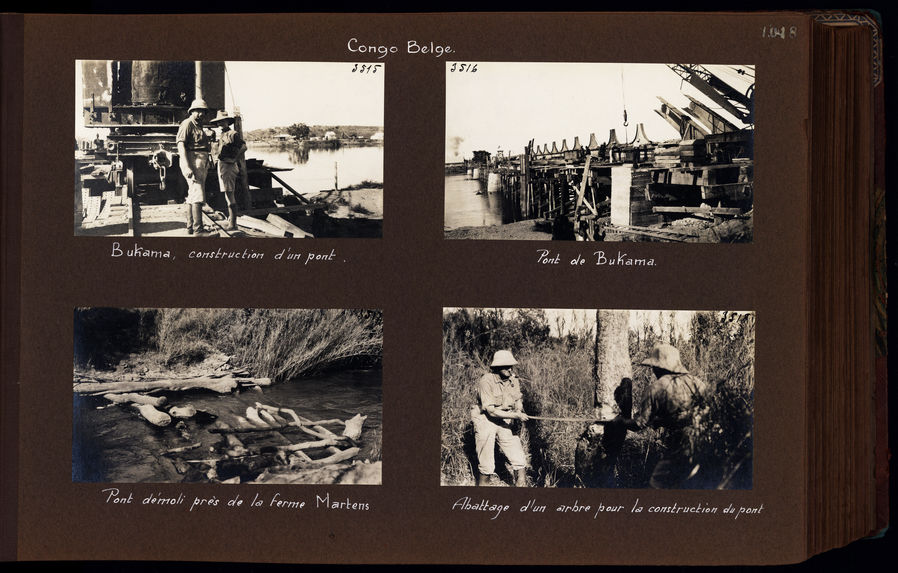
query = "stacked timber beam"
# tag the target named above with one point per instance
(629, 204)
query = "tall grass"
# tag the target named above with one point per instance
(556, 380)
(276, 343)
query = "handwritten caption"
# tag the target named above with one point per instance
(597, 258)
(192, 503)
(496, 510)
(301, 257)
(356, 46)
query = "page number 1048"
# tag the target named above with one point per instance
(780, 32)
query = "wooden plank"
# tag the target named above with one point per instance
(287, 209)
(288, 227)
(731, 191)
(260, 225)
(709, 210)
(620, 194)
(582, 192)
(633, 230)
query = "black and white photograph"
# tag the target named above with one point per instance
(229, 149)
(227, 395)
(599, 152)
(637, 399)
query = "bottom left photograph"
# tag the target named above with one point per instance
(227, 395)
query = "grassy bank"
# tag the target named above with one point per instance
(276, 343)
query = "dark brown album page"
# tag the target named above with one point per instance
(431, 445)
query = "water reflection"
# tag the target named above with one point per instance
(313, 170)
(468, 204)
(298, 154)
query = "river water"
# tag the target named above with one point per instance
(313, 169)
(467, 204)
(114, 444)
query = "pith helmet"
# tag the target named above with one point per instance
(198, 103)
(222, 116)
(667, 357)
(503, 358)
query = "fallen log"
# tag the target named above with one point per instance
(308, 445)
(129, 398)
(252, 414)
(152, 415)
(353, 427)
(187, 411)
(280, 428)
(342, 456)
(302, 423)
(183, 449)
(222, 385)
(301, 456)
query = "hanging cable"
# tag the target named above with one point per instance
(623, 96)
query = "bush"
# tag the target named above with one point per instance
(102, 335)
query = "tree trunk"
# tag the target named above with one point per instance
(599, 446)
(612, 357)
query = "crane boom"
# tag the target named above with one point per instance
(732, 100)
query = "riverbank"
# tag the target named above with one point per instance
(521, 230)
(363, 201)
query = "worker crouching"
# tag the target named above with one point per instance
(499, 405)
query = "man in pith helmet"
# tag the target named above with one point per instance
(193, 151)
(227, 154)
(499, 405)
(671, 402)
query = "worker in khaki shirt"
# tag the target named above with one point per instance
(227, 153)
(193, 151)
(672, 402)
(499, 404)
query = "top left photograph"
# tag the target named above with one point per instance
(228, 149)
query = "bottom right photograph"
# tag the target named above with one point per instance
(537, 397)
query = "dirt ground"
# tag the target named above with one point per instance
(522, 230)
(148, 365)
(365, 203)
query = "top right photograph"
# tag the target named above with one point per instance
(599, 152)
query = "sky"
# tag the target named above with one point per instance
(503, 105)
(271, 94)
(577, 320)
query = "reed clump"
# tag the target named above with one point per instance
(276, 343)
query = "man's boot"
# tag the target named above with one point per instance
(189, 219)
(232, 218)
(483, 479)
(520, 478)
(198, 218)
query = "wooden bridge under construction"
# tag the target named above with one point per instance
(698, 188)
